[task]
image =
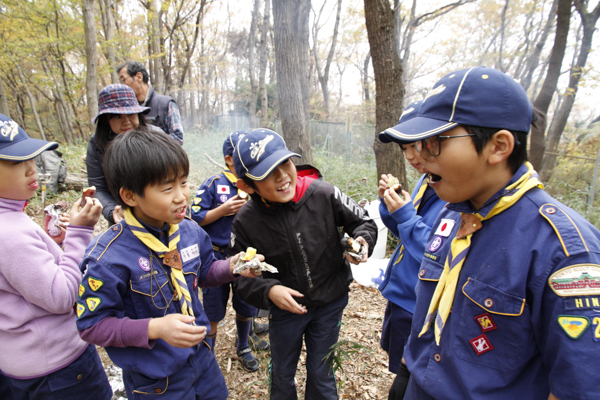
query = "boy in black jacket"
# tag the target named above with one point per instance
(293, 219)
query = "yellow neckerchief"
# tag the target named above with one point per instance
(230, 176)
(416, 202)
(446, 287)
(149, 239)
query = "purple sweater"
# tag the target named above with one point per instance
(38, 286)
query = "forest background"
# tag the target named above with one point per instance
(327, 74)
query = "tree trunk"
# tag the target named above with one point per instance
(263, 59)
(31, 103)
(108, 24)
(559, 121)
(155, 56)
(291, 35)
(389, 89)
(366, 77)
(3, 103)
(537, 146)
(91, 55)
(251, 74)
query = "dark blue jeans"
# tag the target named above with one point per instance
(84, 378)
(320, 327)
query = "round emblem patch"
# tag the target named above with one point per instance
(223, 198)
(144, 264)
(435, 244)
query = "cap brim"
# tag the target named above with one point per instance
(26, 149)
(416, 129)
(266, 166)
(127, 111)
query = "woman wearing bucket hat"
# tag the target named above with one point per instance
(118, 112)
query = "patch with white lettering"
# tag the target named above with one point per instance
(481, 344)
(596, 323)
(190, 252)
(95, 284)
(80, 309)
(582, 303)
(486, 323)
(576, 280)
(573, 325)
(93, 303)
(445, 227)
(435, 244)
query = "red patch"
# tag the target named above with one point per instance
(481, 344)
(486, 323)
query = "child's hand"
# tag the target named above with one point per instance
(283, 297)
(64, 221)
(393, 201)
(89, 214)
(177, 330)
(117, 216)
(352, 260)
(248, 273)
(233, 205)
(383, 185)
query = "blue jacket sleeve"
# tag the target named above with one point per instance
(203, 200)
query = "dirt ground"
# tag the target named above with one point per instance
(364, 376)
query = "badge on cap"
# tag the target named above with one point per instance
(481, 344)
(486, 323)
(9, 129)
(80, 309)
(573, 325)
(445, 227)
(93, 303)
(95, 284)
(222, 189)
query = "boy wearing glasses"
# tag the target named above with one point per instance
(509, 287)
(410, 219)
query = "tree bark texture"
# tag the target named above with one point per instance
(156, 54)
(291, 33)
(3, 103)
(537, 146)
(559, 121)
(108, 23)
(251, 74)
(263, 59)
(389, 89)
(31, 103)
(91, 55)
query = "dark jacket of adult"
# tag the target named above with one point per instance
(159, 109)
(302, 240)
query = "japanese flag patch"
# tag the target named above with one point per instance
(222, 189)
(445, 227)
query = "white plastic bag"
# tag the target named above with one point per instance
(370, 273)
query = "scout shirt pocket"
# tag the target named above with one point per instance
(494, 327)
(151, 291)
(429, 275)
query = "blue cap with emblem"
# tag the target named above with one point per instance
(16, 145)
(390, 134)
(477, 96)
(258, 153)
(231, 142)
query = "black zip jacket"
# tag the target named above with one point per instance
(302, 240)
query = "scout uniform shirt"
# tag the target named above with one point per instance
(125, 279)
(525, 319)
(213, 192)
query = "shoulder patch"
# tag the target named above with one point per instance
(576, 280)
(567, 231)
(81, 290)
(93, 303)
(95, 284)
(80, 309)
(573, 325)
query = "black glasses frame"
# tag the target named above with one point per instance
(428, 143)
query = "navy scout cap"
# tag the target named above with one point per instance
(231, 142)
(258, 153)
(478, 96)
(16, 145)
(390, 134)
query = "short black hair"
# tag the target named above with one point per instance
(249, 182)
(140, 158)
(133, 67)
(103, 132)
(519, 154)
